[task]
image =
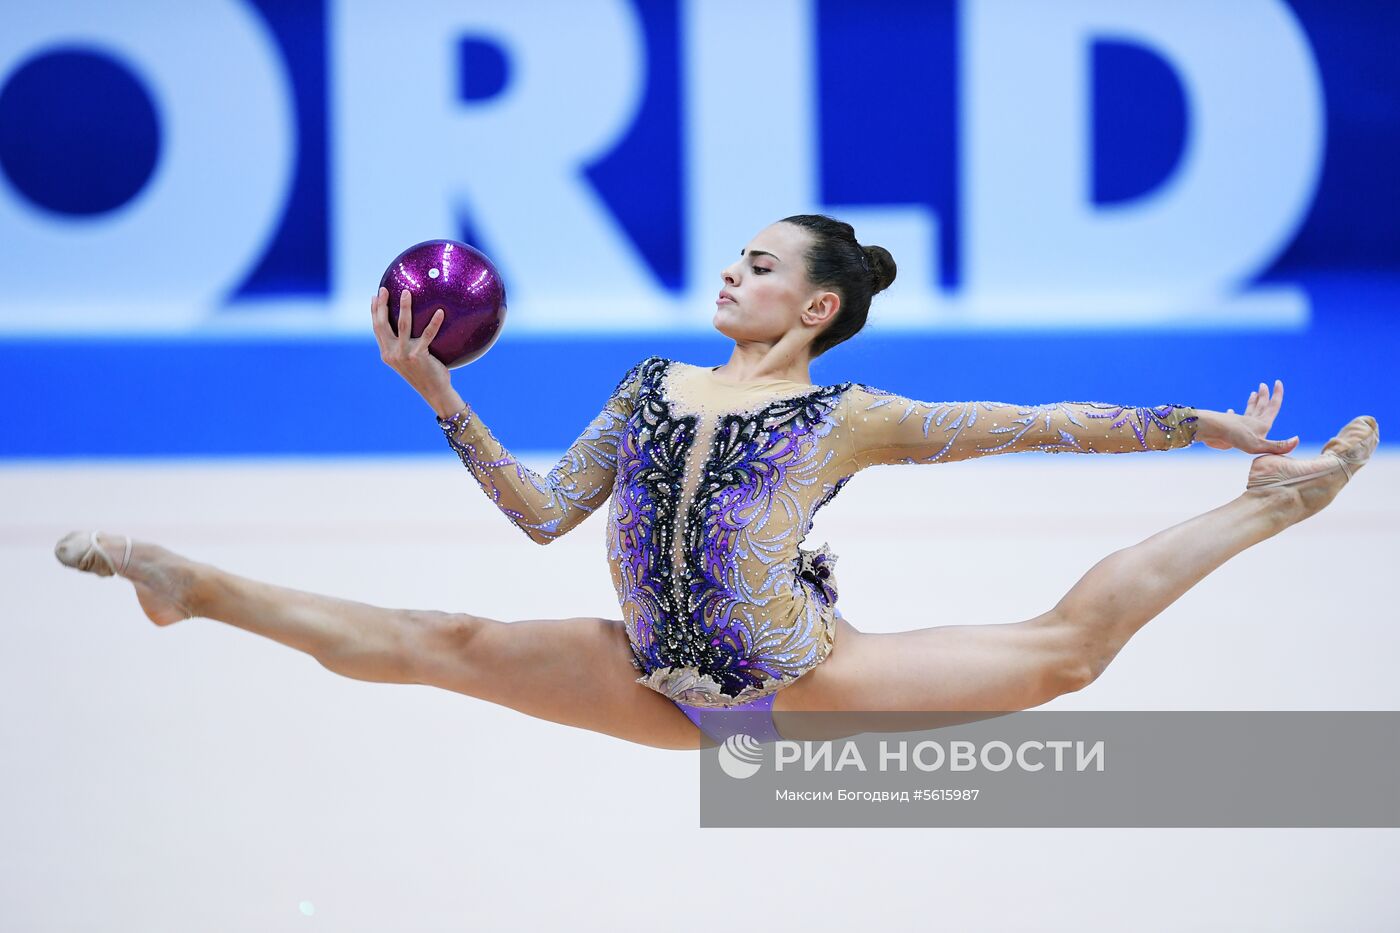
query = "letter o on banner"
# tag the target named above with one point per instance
(171, 254)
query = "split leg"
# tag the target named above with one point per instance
(576, 672)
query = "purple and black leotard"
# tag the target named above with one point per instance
(713, 488)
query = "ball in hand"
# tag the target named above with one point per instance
(461, 281)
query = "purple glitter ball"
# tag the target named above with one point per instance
(463, 283)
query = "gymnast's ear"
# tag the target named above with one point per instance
(822, 309)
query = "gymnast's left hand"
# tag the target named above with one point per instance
(1249, 431)
(408, 355)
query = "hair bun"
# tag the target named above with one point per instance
(882, 268)
(855, 275)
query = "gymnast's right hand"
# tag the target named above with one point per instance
(1248, 432)
(408, 355)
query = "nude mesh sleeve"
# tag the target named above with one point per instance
(545, 507)
(886, 428)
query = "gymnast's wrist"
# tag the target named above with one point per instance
(1206, 425)
(447, 405)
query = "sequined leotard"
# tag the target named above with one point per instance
(714, 486)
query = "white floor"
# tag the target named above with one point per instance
(202, 778)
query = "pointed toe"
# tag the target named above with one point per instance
(81, 551)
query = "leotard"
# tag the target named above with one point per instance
(713, 488)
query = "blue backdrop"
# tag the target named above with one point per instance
(1088, 201)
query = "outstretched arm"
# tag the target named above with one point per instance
(545, 507)
(886, 428)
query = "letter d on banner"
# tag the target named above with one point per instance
(1253, 152)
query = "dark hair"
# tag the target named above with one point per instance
(836, 261)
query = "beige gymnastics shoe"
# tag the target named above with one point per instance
(161, 587)
(1347, 453)
(82, 552)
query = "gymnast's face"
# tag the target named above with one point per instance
(766, 293)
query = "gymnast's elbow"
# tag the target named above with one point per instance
(539, 535)
(546, 532)
(547, 524)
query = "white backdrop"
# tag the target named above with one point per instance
(199, 777)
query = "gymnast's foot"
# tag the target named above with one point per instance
(1313, 483)
(164, 581)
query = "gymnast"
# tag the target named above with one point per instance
(712, 476)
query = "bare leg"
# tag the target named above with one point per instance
(353, 639)
(573, 671)
(1020, 665)
(1127, 589)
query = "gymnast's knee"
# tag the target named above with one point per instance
(1072, 661)
(444, 637)
(1075, 675)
